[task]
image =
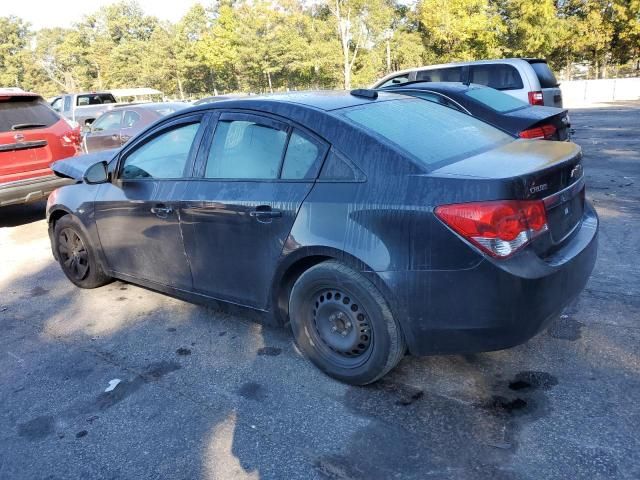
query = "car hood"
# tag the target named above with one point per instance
(75, 167)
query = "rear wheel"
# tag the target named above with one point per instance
(76, 256)
(343, 325)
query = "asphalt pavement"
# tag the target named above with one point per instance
(201, 394)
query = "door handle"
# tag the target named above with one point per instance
(265, 213)
(161, 211)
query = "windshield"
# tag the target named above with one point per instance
(25, 113)
(495, 100)
(431, 133)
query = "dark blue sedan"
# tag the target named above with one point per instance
(373, 224)
(506, 112)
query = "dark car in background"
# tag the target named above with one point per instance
(371, 223)
(495, 107)
(32, 137)
(115, 127)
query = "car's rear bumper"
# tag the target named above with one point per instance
(30, 190)
(495, 304)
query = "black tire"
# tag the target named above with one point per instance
(341, 322)
(76, 255)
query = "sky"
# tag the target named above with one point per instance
(63, 13)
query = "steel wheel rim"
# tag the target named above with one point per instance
(73, 254)
(341, 327)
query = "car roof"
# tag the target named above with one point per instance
(16, 92)
(325, 100)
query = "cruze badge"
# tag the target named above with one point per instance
(538, 188)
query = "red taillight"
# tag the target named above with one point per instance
(536, 98)
(72, 137)
(499, 228)
(544, 132)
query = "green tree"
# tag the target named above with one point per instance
(14, 38)
(461, 29)
(532, 28)
(591, 31)
(360, 26)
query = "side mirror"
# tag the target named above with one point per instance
(86, 129)
(96, 173)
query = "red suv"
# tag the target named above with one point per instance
(32, 137)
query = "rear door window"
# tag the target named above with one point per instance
(450, 74)
(431, 134)
(246, 147)
(25, 113)
(545, 75)
(302, 160)
(496, 75)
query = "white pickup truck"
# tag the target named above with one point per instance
(83, 108)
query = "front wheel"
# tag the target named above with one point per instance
(342, 323)
(76, 256)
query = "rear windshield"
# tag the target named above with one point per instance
(25, 113)
(545, 75)
(431, 133)
(95, 99)
(495, 100)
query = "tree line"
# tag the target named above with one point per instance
(270, 45)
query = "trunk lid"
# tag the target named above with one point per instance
(532, 170)
(532, 117)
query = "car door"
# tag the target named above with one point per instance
(104, 133)
(255, 174)
(137, 214)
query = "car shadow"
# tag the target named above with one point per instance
(16, 215)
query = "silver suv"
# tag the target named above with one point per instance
(529, 79)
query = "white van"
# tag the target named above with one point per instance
(529, 79)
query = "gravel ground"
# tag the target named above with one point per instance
(209, 395)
